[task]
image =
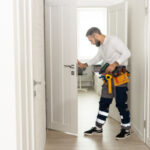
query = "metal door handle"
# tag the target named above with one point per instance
(70, 66)
(36, 82)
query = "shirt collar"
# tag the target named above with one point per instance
(105, 40)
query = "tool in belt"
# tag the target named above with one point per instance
(119, 75)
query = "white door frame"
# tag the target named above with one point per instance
(147, 74)
(23, 74)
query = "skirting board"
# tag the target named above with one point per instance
(133, 128)
(148, 143)
(137, 132)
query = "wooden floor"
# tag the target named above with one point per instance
(87, 111)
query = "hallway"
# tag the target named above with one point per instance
(89, 101)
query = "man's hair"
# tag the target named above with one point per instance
(93, 30)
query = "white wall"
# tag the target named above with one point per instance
(7, 85)
(136, 45)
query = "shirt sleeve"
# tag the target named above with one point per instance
(123, 50)
(96, 59)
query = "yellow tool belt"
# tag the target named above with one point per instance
(119, 80)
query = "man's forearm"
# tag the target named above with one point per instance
(86, 65)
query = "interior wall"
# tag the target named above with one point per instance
(136, 22)
(7, 84)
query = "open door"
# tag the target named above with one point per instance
(61, 58)
(117, 23)
(117, 20)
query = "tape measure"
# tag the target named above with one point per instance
(109, 78)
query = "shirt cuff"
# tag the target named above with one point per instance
(89, 63)
(119, 61)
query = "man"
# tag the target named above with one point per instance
(113, 51)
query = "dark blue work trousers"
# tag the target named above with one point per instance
(120, 94)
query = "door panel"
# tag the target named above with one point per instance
(112, 23)
(117, 26)
(61, 88)
(118, 20)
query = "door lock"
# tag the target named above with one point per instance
(72, 73)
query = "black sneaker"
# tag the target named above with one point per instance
(93, 131)
(123, 134)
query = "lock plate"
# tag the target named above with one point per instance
(72, 73)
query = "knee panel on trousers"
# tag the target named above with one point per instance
(104, 103)
(121, 94)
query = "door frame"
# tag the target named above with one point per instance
(22, 18)
(147, 74)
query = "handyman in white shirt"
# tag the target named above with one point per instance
(113, 51)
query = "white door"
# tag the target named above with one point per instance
(61, 58)
(38, 73)
(117, 21)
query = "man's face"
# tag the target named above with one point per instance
(94, 41)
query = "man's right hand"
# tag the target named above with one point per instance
(82, 65)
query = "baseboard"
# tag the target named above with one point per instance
(148, 143)
(137, 132)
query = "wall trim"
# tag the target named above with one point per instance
(147, 74)
(137, 132)
(17, 76)
(23, 74)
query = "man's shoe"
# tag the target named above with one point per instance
(94, 131)
(123, 134)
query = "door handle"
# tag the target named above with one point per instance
(36, 82)
(70, 66)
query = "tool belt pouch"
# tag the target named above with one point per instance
(121, 79)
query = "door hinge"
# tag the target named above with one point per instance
(146, 6)
(144, 123)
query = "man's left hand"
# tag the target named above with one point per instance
(111, 67)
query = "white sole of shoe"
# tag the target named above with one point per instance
(92, 134)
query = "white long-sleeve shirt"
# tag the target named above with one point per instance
(113, 49)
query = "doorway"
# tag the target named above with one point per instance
(61, 57)
(89, 84)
